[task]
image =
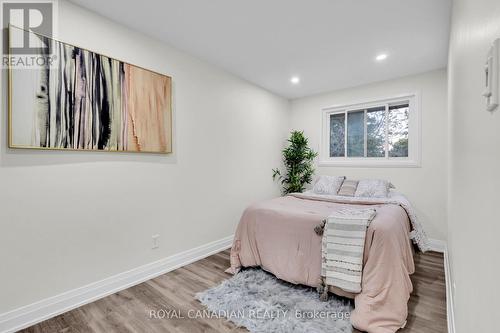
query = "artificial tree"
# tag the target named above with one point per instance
(298, 160)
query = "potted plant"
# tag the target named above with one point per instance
(298, 160)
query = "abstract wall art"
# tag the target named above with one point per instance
(88, 101)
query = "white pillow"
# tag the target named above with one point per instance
(373, 188)
(328, 184)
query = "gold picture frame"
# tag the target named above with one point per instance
(88, 102)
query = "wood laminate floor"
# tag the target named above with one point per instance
(129, 310)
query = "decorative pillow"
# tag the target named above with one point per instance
(328, 184)
(373, 188)
(348, 188)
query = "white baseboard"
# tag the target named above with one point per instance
(31, 314)
(437, 245)
(441, 246)
(450, 312)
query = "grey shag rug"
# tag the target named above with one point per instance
(262, 303)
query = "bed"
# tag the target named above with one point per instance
(278, 235)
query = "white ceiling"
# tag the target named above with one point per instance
(329, 44)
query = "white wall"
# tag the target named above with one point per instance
(71, 218)
(425, 186)
(474, 223)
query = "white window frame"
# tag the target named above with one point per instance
(414, 135)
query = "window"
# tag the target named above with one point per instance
(379, 133)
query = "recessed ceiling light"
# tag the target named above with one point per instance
(381, 57)
(295, 80)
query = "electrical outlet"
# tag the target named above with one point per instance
(156, 241)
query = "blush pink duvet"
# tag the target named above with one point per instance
(278, 235)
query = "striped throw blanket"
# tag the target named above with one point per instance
(343, 245)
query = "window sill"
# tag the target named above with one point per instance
(369, 163)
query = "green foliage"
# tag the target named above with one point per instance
(298, 160)
(400, 148)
